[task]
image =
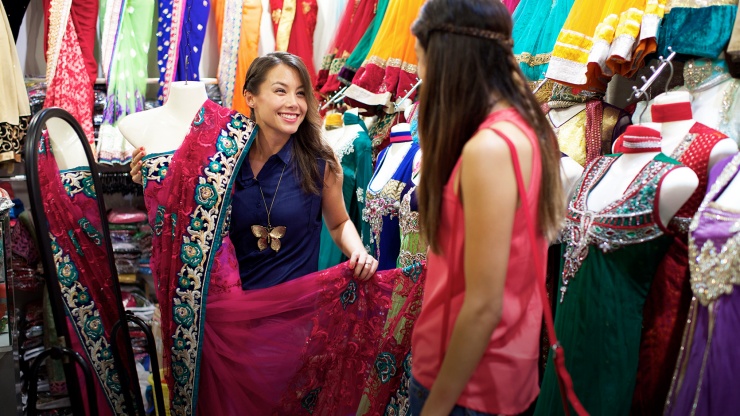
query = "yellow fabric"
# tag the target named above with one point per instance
(385, 40)
(286, 16)
(572, 137)
(248, 49)
(13, 95)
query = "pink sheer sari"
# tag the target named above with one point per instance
(307, 346)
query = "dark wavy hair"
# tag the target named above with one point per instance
(470, 65)
(308, 145)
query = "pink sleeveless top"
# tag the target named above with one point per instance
(505, 381)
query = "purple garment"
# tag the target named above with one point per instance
(195, 19)
(712, 343)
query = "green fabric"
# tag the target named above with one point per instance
(357, 167)
(537, 24)
(599, 325)
(696, 32)
(358, 56)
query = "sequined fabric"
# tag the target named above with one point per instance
(704, 379)
(610, 259)
(668, 301)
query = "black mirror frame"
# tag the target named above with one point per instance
(33, 137)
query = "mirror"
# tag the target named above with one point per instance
(85, 294)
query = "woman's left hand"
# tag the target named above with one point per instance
(363, 264)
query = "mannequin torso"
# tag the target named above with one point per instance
(164, 128)
(677, 186)
(65, 144)
(570, 171)
(729, 199)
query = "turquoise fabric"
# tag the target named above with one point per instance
(537, 24)
(697, 32)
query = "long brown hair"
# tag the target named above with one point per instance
(469, 61)
(308, 145)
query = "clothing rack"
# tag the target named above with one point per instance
(208, 81)
(656, 73)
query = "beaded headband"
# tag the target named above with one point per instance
(474, 32)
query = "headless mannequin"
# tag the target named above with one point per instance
(68, 151)
(336, 137)
(164, 128)
(674, 132)
(675, 190)
(393, 157)
(570, 172)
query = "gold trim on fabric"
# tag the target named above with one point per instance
(287, 16)
(696, 4)
(410, 68)
(306, 7)
(533, 60)
(276, 16)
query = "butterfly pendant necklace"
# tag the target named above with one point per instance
(269, 236)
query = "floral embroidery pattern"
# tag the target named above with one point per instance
(199, 244)
(349, 296)
(78, 181)
(155, 169)
(86, 318)
(309, 402)
(385, 365)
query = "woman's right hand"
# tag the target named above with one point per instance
(136, 165)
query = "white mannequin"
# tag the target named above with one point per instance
(570, 172)
(164, 128)
(674, 132)
(677, 186)
(394, 155)
(66, 146)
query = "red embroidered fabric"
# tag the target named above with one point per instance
(74, 222)
(667, 305)
(71, 88)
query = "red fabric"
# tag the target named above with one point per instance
(301, 37)
(666, 308)
(505, 380)
(84, 15)
(71, 88)
(63, 214)
(665, 113)
(355, 21)
(638, 139)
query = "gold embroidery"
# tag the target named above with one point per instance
(306, 7)
(287, 16)
(276, 16)
(714, 270)
(533, 60)
(698, 4)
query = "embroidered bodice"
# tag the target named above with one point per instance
(382, 208)
(714, 243)
(631, 219)
(413, 246)
(694, 151)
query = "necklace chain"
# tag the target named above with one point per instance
(268, 211)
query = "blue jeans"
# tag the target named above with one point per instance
(419, 394)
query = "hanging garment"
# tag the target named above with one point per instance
(294, 23)
(14, 108)
(610, 259)
(355, 154)
(195, 20)
(304, 346)
(391, 395)
(511, 5)
(15, 10)
(705, 373)
(536, 27)
(327, 20)
(68, 83)
(251, 14)
(683, 32)
(126, 75)
(357, 18)
(81, 259)
(359, 53)
(668, 301)
(381, 208)
(389, 70)
(169, 29)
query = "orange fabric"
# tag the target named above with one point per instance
(506, 378)
(248, 50)
(218, 14)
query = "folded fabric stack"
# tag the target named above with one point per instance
(124, 225)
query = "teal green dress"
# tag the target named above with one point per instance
(537, 24)
(610, 258)
(354, 152)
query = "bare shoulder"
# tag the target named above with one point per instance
(487, 148)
